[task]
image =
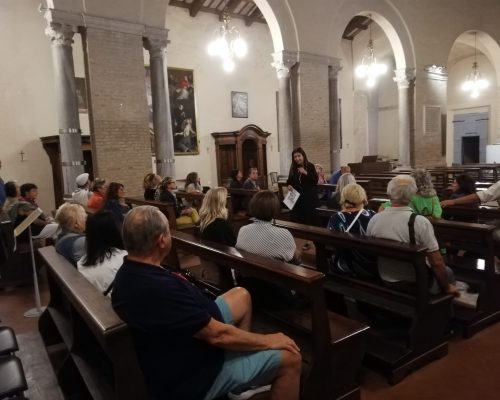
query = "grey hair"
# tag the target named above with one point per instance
(401, 189)
(141, 228)
(344, 180)
(424, 182)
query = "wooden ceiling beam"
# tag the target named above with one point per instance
(195, 7)
(253, 16)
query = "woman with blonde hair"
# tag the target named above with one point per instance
(71, 240)
(344, 180)
(352, 219)
(213, 217)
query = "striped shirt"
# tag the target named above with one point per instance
(263, 238)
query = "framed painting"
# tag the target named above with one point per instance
(183, 110)
(239, 104)
(81, 95)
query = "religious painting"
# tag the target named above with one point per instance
(239, 104)
(81, 95)
(183, 111)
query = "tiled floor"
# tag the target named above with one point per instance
(469, 371)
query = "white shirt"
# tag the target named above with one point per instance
(392, 224)
(81, 196)
(102, 274)
(490, 194)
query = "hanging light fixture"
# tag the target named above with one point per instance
(474, 83)
(369, 67)
(227, 44)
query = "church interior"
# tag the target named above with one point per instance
(117, 89)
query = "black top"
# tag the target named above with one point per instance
(235, 184)
(117, 209)
(219, 231)
(305, 209)
(168, 197)
(164, 311)
(250, 185)
(149, 194)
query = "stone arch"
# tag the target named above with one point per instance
(387, 17)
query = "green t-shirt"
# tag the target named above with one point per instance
(426, 206)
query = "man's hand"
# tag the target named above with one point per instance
(453, 290)
(279, 341)
(445, 203)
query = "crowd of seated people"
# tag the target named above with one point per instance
(182, 353)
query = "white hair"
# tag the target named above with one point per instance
(401, 189)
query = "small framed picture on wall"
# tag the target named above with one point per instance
(239, 104)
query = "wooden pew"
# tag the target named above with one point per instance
(195, 199)
(332, 345)
(89, 346)
(168, 209)
(471, 212)
(477, 268)
(424, 339)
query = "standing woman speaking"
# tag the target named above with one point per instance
(303, 178)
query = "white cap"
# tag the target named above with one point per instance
(82, 179)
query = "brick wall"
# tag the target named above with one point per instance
(312, 127)
(118, 115)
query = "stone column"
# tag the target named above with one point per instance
(61, 37)
(162, 119)
(283, 64)
(405, 79)
(333, 71)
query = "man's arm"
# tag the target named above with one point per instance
(438, 267)
(469, 199)
(231, 338)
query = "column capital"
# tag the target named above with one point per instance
(60, 34)
(156, 46)
(283, 62)
(404, 77)
(333, 70)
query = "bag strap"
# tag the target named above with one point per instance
(411, 227)
(354, 220)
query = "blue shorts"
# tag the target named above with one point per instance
(243, 369)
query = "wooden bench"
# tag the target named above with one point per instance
(427, 316)
(477, 268)
(168, 209)
(194, 199)
(89, 346)
(332, 345)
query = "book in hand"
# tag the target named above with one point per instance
(27, 222)
(291, 198)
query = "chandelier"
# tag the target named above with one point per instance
(369, 67)
(474, 82)
(227, 44)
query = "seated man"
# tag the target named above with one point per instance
(251, 182)
(190, 347)
(394, 223)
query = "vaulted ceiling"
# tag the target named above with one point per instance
(243, 9)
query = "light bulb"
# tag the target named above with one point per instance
(228, 65)
(370, 82)
(467, 85)
(212, 48)
(239, 47)
(474, 94)
(361, 71)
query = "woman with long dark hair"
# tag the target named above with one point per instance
(104, 247)
(115, 201)
(303, 178)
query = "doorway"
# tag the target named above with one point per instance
(470, 149)
(470, 132)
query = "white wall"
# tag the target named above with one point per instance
(459, 102)
(27, 103)
(189, 39)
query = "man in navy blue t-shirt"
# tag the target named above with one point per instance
(190, 347)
